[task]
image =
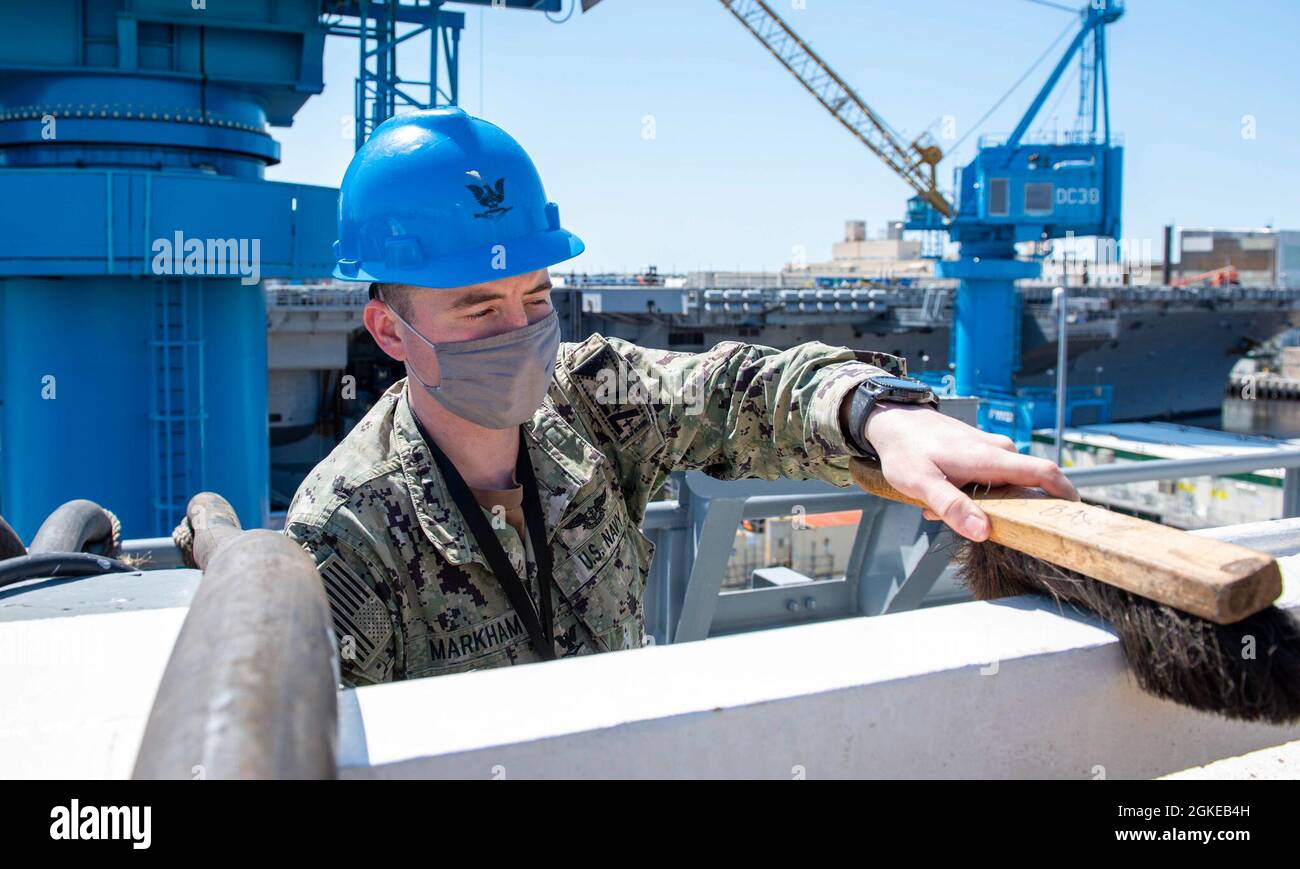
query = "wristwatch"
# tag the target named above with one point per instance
(887, 389)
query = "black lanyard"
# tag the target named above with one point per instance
(540, 630)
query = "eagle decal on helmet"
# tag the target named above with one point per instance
(490, 197)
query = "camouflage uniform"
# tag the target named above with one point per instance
(413, 595)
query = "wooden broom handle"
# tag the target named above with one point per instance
(1222, 582)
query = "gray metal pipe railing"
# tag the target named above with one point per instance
(766, 506)
(662, 515)
(670, 524)
(1060, 300)
(1173, 469)
(666, 515)
(250, 688)
(670, 515)
(153, 553)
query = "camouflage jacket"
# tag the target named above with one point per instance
(411, 593)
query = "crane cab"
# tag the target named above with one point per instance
(1039, 191)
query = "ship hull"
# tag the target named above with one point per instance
(1161, 364)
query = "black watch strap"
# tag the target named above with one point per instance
(891, 390)
(860, 407)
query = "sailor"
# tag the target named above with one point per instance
(487, 509)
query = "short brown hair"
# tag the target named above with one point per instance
(397, 296)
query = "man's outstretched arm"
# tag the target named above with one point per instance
(735, 411)
(748, 411)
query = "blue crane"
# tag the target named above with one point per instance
(1015, 191)
(380, 90)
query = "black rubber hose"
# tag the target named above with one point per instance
(54, 565)
(78, 526)
(249, 691)
(11, 544)
(209, 522)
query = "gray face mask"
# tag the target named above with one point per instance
(496, 382)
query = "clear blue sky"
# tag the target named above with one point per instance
(745, 166)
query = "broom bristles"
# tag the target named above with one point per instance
(1249, 670)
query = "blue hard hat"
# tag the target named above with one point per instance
(439, 198)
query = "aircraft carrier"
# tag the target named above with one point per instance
(1157, 352)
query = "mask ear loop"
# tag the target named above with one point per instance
(434, 347)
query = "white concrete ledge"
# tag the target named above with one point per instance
(78, 689)
(908, 695)
(1001, 689)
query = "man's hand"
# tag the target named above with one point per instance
(930, 456)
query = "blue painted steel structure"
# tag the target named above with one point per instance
(380, 88)
(136, 228)
(1017, 191)
(138, 224)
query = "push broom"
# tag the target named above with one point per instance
(1194, 616)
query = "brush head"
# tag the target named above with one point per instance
(1248, 670)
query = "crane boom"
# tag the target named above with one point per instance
(914, 163)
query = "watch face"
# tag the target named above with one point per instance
(901, 384)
